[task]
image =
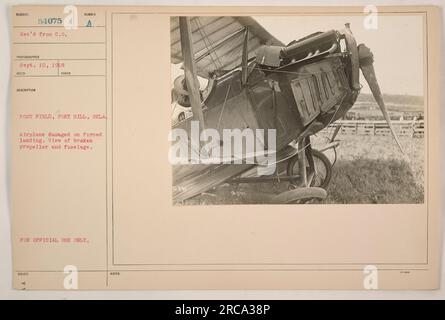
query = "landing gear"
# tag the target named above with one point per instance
(322, 170)
(300, 195)
(307, 172)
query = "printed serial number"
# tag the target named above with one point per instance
(50, 21)
(243, 309)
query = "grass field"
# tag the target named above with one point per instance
(369, 169)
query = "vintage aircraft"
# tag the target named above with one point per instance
(256, 81)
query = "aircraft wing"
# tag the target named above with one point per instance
(218, 41)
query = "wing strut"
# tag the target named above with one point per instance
(245, 57)
(190, 71)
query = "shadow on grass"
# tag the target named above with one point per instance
(373, 181)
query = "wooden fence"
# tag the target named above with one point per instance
(380, 127)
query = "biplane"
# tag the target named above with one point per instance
(256, 81)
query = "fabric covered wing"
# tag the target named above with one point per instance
(218, 41)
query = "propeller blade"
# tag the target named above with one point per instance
(367, 67)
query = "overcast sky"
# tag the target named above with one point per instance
(397, 44)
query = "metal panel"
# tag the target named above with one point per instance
(315, 92)
(306, 96)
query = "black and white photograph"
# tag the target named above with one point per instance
(297, 109)
(226, 151)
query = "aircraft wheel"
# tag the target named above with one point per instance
(300, 195)
(323, 170)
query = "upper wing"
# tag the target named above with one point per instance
(218, 41)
